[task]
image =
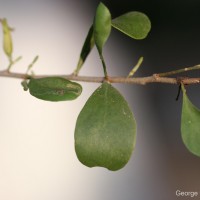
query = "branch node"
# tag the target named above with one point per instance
(179, 91)
(180, 80)
(156, 76)
(106, 79)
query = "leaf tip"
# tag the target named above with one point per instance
(102, 26)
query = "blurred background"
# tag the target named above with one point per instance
(37, 157)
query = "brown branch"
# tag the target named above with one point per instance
(140, 80)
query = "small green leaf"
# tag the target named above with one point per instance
(54, 89)
(87, 47)
(32, 63)
(134, 24)
(105, 130)
(102, 26)
(24, 85)
(136, 67)
(7, 39)
(190, 125)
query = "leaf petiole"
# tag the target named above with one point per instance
(136, 67)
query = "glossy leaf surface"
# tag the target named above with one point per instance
(190, 125)
(102, 26)
(134, 24)
(54, 89)
(87, 47)
(105, 131)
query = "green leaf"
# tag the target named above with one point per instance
(102, 26)
(54, 89)
(190, 125)
(32, 63)
(7, 39)
(87, 47)
(134, 24)
(105, 131)
(24, 85)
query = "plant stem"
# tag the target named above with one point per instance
(179, 71)
(104, 65)
(139, 80)
(12, 62)
(136, 67)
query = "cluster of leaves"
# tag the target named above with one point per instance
(105, 133)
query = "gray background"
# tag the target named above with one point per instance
(37, 158)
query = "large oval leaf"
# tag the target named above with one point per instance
(134, 24)
(54, 89)
(105, 130)
(102, 26)
(190, 125)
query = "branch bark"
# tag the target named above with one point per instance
(138, 80)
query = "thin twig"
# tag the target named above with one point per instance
(140, 80)
(186, 69)
(136, 67)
